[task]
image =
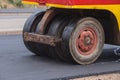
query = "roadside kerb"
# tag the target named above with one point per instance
(12, 20)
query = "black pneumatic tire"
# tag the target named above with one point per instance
(63, 46)
(55, 29)
(30, 26)
(84, 40)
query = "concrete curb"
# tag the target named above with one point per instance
(12, 20)
(11, 32)
(21, 10)
(12, 24)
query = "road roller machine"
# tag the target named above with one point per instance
(73, 31)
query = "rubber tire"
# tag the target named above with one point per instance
(64, 47)
(30, 26)
(56, 29)
(69, 37)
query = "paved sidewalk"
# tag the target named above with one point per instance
(21, 10)
(12, 20)
(12, 23)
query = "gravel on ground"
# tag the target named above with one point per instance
(113, 76)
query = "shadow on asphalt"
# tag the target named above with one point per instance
(106, 56)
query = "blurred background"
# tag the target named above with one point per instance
(14, 4)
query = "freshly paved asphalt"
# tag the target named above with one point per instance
(17, 63)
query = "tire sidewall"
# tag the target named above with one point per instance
(83, 23)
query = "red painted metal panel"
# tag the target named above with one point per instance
(89, 2)
(76, 2)
(63, 2)
(30, 0)
(83, 2)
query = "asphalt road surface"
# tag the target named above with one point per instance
(17, 63)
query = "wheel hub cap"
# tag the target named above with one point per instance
(86, 41)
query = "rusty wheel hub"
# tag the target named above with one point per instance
(86, 41)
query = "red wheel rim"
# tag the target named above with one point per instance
(86, 41)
